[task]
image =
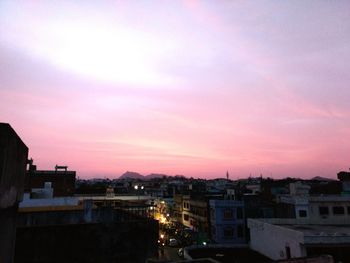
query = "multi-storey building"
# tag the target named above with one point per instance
(299, 204)
(227, 221)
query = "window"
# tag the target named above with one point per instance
(239, 212)
(186, 217)
(228, 232)
(228, 214)
(213, 230)
(240, 231)
(338, 210)
(302, 213)
(212, 213)
(323, 210)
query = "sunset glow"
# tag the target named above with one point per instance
(179, 87)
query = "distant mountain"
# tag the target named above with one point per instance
(319, 178)
(152, 176)
(132, 175)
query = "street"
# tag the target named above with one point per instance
(170, 254)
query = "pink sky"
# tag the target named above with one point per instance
(179, 87)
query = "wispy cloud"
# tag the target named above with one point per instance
(192, 87)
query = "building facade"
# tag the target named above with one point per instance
(281, 239)
(62, 180)
(227, 221)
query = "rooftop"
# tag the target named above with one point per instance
(322, 230)
(308, 231)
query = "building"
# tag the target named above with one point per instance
(186, 213)
(227, 221)
(62, 180)
(13, 160)
(178, 208)
(281, 239)
(62, 229)
(299, 204)
(344, 177)
(195, 213)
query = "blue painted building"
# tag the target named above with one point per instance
(227, 221)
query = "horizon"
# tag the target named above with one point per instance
(188, 87)
(209, 178)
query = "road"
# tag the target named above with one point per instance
(170, 254)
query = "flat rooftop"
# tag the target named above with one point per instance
(321, 230)
(309, 232)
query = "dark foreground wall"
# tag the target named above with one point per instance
(13, 159)
(100, 242)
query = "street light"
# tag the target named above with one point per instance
(136, 187)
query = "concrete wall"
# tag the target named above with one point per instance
(112, 242)
(80, 216)
(314, 209)
(319, 259)
(7, 233)
(272, 240)
(86, 235)
(13, 159)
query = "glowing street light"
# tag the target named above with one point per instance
(136, 187)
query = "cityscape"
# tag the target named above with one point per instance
(52, 216)
(175, 131)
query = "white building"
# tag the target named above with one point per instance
(318, 207)
(291, 238)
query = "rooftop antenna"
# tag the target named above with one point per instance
(227, 175)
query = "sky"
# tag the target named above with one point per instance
(195, 88)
